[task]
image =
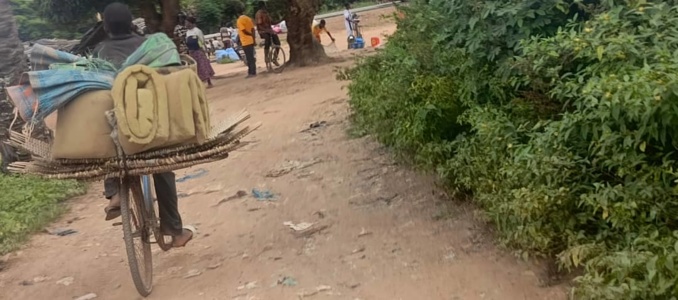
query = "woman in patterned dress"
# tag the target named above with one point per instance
(195, 42)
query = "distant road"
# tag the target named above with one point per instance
(356, 10)
(334, 14)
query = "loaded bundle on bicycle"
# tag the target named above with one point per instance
(150, 116)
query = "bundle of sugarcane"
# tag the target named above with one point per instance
(223, 138)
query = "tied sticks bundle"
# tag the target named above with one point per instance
(223, 138)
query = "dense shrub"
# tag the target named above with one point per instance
(559, 117)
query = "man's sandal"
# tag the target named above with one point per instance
(112, 212)
(193, 233)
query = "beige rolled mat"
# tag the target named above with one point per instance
(180, 95)
(141, 108)
(201, 111)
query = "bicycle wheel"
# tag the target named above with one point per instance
(136, 234)
(276, 59)
(147, 188)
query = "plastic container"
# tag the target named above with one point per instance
(359, 43)
(375, 42)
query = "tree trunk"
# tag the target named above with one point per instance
(151, 16)
(304, 49)
(12, 65)
(163, 21)
(170, 11)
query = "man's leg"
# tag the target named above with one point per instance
(267, 45)
(276, 41)
(168, 207)
(251, 63)
(111, 187)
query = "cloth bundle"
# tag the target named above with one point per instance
(158, 99)
(44, 91)
(82, 130)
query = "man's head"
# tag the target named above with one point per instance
(262, 5)
(348, 5)
(181, 18)
(322, 23)
(117, 19)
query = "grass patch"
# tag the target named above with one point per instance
(29, 203)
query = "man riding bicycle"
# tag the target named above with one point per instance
(265, 28)
(121, 43)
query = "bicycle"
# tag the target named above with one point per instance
(274, 63)
(139, 222)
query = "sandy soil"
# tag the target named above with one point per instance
(390, 233)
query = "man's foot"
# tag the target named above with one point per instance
(113, 209)
(185, 237)
(251, 76)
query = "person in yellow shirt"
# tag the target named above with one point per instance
(246, 35)
(320, 28)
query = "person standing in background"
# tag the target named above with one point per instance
(195, 42)
(180, 34)
(265, 28)
(246, 36)
(348, 18)
(320, 28)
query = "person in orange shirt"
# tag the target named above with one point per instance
(319, 28)
(246, 35)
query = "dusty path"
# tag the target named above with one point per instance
(383, 238)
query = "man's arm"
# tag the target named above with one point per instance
(330, 35)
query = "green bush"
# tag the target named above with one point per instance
(27, 204)
(559, 117)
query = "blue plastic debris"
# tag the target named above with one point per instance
(263, 195)
(197, 174)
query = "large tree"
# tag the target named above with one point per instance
(298, 15)
(12, 65)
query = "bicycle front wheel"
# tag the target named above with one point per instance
(136, 234)
(276, 59)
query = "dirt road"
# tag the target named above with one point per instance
(389, 233)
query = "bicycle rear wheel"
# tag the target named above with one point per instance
(276, 59)
(136, 234)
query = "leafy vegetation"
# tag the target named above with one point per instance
(559, 117)
(27, 204)
(32, 26)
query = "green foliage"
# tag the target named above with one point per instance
(32, 26)
(558, 117)
(27, 204)
(407, 103)
(232, 9)
(210, 14)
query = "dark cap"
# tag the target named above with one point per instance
(118, 19)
